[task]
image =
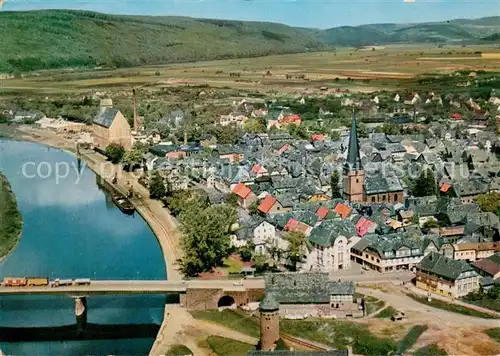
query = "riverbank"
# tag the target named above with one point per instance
(11, 221)
(152, 211)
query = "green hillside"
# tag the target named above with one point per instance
(434, 32)
(57, 38)
(34, 40)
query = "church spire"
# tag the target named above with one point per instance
(353, 162)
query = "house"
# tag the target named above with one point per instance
(489, 267)
(391, 252)
(343, 210)
(441, 275)
(110, 126)
(208, 140)
(312, 294)
(293, 119)
(271, 205)
(262, 234)
(245, 195)
(472, 251)
(329, 249)
(294, 225)
(234, 118)
(27, 116)
(230, 153)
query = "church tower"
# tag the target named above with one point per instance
(353, 173)
(269, 322)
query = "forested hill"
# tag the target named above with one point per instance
(63, 38)
(35, 40)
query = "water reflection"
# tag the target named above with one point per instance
(71, 230)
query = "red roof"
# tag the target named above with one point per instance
(322, 212)
(256, 168)
(291, 118)
(445, 187)
(456, 116)
(363, 226)
(267, 204)
(488, 266)
(296, 226)
(318, 137)
(342, 210)
(241, 190)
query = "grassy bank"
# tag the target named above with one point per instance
(411, 338)
(430, 350)
(230, 319)
(494, 334)
(436, 303)
(10, 218)
(340, 335)
(224, 346)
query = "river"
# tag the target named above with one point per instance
(73, 230)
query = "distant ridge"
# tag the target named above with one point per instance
(34, 40)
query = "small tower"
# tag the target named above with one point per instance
(269, 322)
(353, 173)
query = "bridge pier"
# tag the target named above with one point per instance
(81, 312)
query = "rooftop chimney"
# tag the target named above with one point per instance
(185, 138)
(105, 103)
(136, 124)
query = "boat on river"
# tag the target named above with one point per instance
(123, 204)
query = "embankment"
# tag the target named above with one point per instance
(11, 222)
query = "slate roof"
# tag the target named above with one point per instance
(353, 161)
(377, 184)
(447, 268)
(470, 187)
(328, 231)
(105, 117)
(269, 303)
(387, 245)
(305, 287)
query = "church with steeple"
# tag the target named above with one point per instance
(377, 188)
(353, 174)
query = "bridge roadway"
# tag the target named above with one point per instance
(102, 287)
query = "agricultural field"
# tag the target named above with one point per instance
(364, 70)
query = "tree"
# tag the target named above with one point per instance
(232, 199)
(334, 184)
(489, 202)
(206, 237)
(429, 224)
(260, 262)
(133, 158)
(255, 126)
(246, 252)
(115, 152)
(335, 136)
(296, 243)
(297, 131)
(157, 188)
(425, 184)
(253, 208)
(274, 250)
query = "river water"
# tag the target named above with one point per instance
(73, 230)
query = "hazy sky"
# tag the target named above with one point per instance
(306, 13)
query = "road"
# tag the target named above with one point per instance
(398, 300)
(99, 287)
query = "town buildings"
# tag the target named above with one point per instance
(312, 294)
(442, 275)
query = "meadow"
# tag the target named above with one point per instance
(363, 70)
